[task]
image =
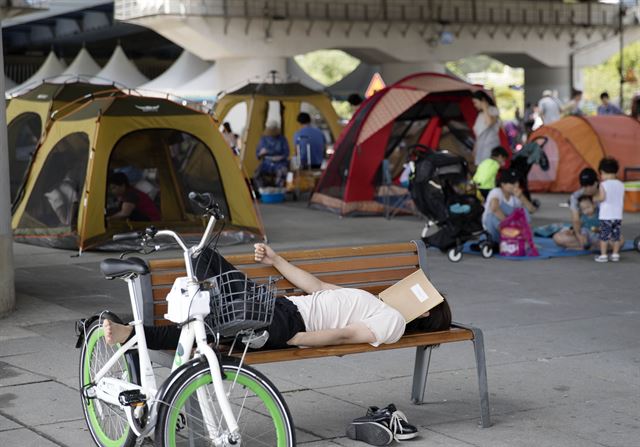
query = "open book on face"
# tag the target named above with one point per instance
(412, 296)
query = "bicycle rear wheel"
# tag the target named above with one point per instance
(259, 408)
(107, 423)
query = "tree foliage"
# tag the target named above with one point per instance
(606, 77)
(327, 66)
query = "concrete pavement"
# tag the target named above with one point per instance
(561, 339)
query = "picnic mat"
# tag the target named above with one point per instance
(547, 249)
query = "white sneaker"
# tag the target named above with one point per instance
(615, 257)
(602, 258)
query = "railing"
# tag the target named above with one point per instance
(480, 12)
(25, 4)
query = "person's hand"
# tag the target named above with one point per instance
(517, 191)
(262, 152)
(264, 254)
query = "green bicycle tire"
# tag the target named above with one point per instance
(267, 422)
(107, 424)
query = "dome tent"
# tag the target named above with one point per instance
(165, 149)
(431, 109)
(575, 143)
(28, 116)
(120, 70)
(290, 97)
(52, 66)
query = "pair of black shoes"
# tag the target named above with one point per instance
(381, 426)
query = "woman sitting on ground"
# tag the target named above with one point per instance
(328, 315)
(502, 201)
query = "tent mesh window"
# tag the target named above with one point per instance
(166, 165)
(335, 177)
(53, 203)
(23, 135)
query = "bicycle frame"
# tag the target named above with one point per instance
(193, 333)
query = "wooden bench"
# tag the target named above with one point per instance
(372, 268)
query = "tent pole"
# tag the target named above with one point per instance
(7, 289)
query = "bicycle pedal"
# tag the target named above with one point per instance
(132, 398)
(256, 341)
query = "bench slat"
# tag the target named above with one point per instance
(407, 341)
(297, 255)
(161, 279)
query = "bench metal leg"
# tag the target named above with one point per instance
(420, 372)
(481, 366)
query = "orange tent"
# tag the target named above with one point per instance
(576, 143)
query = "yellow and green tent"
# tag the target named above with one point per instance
(165, 149)
(291, 98)
(29, 113)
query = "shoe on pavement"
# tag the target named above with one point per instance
(615, 257)
(602, 258)
(367, 430)
(395, 420)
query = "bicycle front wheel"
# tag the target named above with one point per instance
(107, 423)
(260, 410)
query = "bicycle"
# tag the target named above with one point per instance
(208, 399)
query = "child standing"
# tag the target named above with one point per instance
(611, 198)
(485, 176)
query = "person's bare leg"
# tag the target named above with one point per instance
(616, 247)
(115, 333)
(603, 248)
(354, 333)
(567, 239)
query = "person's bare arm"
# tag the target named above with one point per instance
(298, 277)
(527, 204)
(576, 226)
(354, 333)
(601, 196)
(125, 211)
(494, 205)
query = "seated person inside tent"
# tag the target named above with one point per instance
(327, 315)
(504, 200)
(273, 153)
(132, 204)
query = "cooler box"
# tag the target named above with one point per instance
(632, 197)
(272, 195)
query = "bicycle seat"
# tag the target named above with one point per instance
(116, 268)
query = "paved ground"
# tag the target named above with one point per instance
(561, 338)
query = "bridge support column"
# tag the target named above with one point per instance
(539, 79)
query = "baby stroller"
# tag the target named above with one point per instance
(531, 153)
(435, 184)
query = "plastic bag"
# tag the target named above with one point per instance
(516, 238)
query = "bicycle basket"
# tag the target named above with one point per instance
(238, 304)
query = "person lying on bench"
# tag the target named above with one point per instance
(328, 315)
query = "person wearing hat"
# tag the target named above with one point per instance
(574, 237)
(504, 200)
(549, 107)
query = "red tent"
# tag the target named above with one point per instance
(426, 108)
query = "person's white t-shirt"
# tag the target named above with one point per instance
(549, 109)
(487, 137)
(611, 208)
(338, 308)
(496, 193)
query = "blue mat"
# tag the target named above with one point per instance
(547, 249)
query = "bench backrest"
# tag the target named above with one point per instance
(372, 268)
